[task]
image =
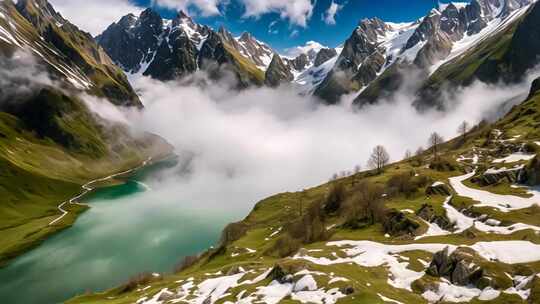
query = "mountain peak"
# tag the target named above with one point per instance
(182, 15)
(246, 36)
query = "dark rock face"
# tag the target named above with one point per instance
(324, 55)
(138, 35)
(458, 267)
(277, 73)
(525, 46)
(173, 60)
(535, 88)
(359, 49)
(181, 47)
(300, 62)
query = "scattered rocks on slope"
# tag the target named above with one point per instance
(494, 176)
(427, 213)
(457, 267)
(398, 224)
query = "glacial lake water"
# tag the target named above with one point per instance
(129, 229)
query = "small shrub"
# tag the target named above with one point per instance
(335, 198)
(402, 183)
(443, 165)
(366, 203)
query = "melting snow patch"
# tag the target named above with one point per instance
(512, 158)
(447, 292)
(504, 203)
(385, 299)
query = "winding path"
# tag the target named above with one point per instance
(88, 187)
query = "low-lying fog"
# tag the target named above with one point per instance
(239, 147)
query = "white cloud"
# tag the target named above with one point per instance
(206, 7)
(329, 17)
(94, 16)
(241, 147)
(272, 29)
(298, 12)
(310, 46)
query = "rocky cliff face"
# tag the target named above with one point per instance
(70, 55)
(278, 73)
(171, 49)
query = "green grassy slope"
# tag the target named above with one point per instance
(65, 49)
(50, 145)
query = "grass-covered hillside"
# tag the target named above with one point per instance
(68, 54)
(50, 145)
(458, 225)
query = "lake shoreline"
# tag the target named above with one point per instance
(75, 209)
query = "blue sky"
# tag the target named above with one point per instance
(285, 34)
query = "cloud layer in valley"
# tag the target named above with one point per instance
(236, 148)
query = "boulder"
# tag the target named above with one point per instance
(279, 274)
(438, 188)
(457, 267)
(347, 290)
(397, 224)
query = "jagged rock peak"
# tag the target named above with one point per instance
(324, 55)
(40, 9)
(277, 72)
(128, 21)
(246, 36)
(182, 18)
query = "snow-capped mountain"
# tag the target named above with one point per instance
(369, 62)
(428, 43)
(167, 49)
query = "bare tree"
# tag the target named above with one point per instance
(408, 154)
(463, 129)
(419, 151)
(434, 141)
(379, 158)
